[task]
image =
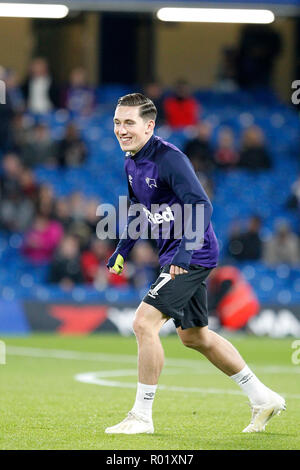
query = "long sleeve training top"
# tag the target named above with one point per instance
(162, 180)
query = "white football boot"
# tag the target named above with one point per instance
(132, 424)
(261, 414)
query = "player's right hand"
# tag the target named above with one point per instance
(115, 263)
(175, 270)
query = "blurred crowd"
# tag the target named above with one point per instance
(247, 244)
(61, 231)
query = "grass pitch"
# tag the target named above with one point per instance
(43, 405)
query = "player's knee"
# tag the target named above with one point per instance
(189, 342)
(199, 342)
(138, 327)
(141, 327)
(147, 321)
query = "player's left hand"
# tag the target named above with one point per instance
(175, 270)
(115, 263)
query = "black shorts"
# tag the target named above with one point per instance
(184, 299)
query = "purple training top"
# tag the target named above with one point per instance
(161, 174)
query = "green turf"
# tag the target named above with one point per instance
(42, 406)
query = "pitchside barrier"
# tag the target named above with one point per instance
(73, 318)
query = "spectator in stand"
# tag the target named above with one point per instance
(6, 117)
(21, 127)
(80, 97)
(46, 200)
(40, 92)
(91, 217)
(199, 149)
(259, 47)
(77, 204)
(13, 90)
(42, 239)
(225, 155)
(11, 171)
(145, 265)
(16, 210)
(226, 80)
(65, 268)
(79, 229)
(62, 213)
(83, 218)
(200, 153)
(181, 109)
(154, 91)
(30, 187)
(72, 151)
(235, 243)
(283, 246)
(253, 153)
(93, 262)
(246, 245)
(40, 148)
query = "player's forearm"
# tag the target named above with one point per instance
(126, 243)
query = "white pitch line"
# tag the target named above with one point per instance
(199, 366)
(99, 378)
(87, 356)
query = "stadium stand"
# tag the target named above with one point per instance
(238, 193)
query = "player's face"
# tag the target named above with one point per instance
(131, 130)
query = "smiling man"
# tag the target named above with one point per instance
(159, 173)
(131, 130)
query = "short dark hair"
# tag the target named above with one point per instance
(147, 108)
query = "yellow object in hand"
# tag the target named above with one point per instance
(119, 264)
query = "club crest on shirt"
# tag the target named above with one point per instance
(151, 182)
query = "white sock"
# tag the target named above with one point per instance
(256, 391)
(144, 400)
